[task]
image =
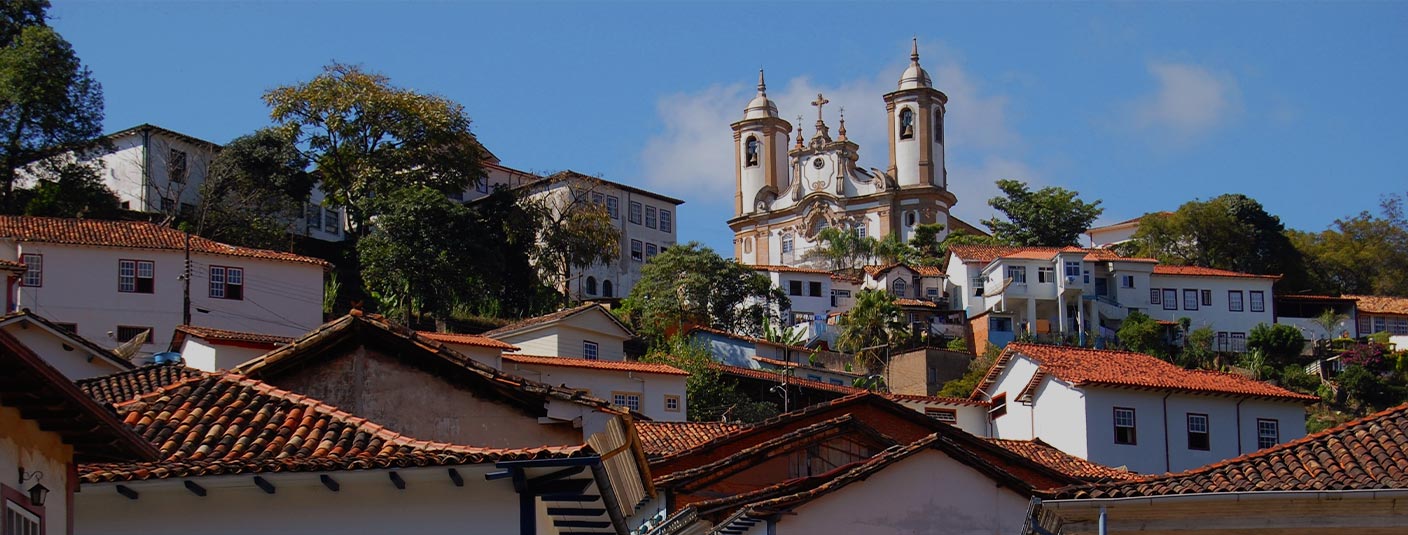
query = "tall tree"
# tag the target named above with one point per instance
(841, 249)
(49, 102)
(69, 189)
(690, 284)
(1363, 254)
(893, 250)
(505, 283)
(873, 321)
(1050, 216)
(575, 231)
(369, 138)
(421, 252)
(1230, 231)
(255, 192)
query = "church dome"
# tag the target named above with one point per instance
(915, 76)
(760, 107)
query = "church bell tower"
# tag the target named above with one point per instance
(916, 123)
(760, 152)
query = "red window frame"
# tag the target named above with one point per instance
(137, 276)
(20, 499)
(1133, 439)
(225, 284)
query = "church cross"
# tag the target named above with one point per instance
(819, 102)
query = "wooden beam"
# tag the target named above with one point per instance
(575, 511)
(456, 478)
(396, 480)
(264, 484)
(195, 488)
(554, 476)
(581, 523)
(329, 482)
(127, 491)
(561, 487)
(570, 497)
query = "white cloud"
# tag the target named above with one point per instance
(978, 184)
(1189, 101)
(692, 157)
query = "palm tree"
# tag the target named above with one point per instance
(893, 250)
(873, 323)
(841, 249)
(1328, 321)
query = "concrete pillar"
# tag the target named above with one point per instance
(1061, 313)
(1031, 316)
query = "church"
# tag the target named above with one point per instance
(787, 192)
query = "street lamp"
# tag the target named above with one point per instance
(38, 493)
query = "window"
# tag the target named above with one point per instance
(1380, 324)
(651, 250)
(667, 223)
(634, 213)
(750, 152)
(1018, 274)
(21, 521)
(589, 350)
(948, 416)
(1222, 341)
(167, 205)
(226, 282)
(933, 376)
(1234, 300)
(1190, 300)
(860, 230)
(1124, 426)
(125, 333)
(33, 269)
(1046, 274)
(977, 285)
(931, 292)
(650, 217)
(1398, 325)
(613, 206)
(1258, 299)
(906, 124)
(1207, 297)
(1198, 432)
(606, 290)
(1126, 281)
(837, 382)
(899, 287)
(591, 285)
(136, 276)
(794, 287)
(481, 186)
(999, 405)
(837, 295)
(1170, 299)
(637, 250)
(1268, 433)
(939, 126)
(672, 403)
(1154, 295)
(331, 221)
(176, 166)
(630, 400)
(314, 216)
(786, 243)
(1237, 342)
(814, 289)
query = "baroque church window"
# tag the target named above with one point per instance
(899, 287)
(939, 127)
(750, 152)
(906, 124)
(786, 243)
(909, 218)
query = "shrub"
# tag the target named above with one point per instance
(1281, 343)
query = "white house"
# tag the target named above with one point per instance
(110, 281)
(75, 356)
(1228, 302)
(1117, 233)
(47, 426)
(1120, 408)
(655, 390)
(208, 349)
(1377, 314)
(588, 331)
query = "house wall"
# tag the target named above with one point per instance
(24, 445)
(1017, 423)
(909, 373)
(565, 338)
(123, 170)
(75, 361)
(652, 387)
(728, 350)
(971, 418)
(1059, 417)
(940, 495)
(80, 285)
(367, 503)
(204, 355)
(414, 402)
(1217, 316)
(484, 355)
(804, 302)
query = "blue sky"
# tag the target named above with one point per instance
(1142, 105)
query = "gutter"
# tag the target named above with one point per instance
(1238, 496)
(1168, 465)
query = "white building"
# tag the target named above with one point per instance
(204, 348)
(1228, 302)
(786, 193)
(1383, 314)
(75, 356)
(1120, 408)
(589, 332)
(1118, 233)
(110, 281)
(152, 169)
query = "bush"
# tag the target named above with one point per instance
(1295, 378)
(1142, 334)
(1281, 343)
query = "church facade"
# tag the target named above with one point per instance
(787, 192)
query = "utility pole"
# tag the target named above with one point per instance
(186, 281)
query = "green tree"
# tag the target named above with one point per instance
(574, 232)
(963, 387)
(369, 138)
(893, 250)
(1363, 254)
(841, 249)
(506, 283)
(255, 192)
(421, 252)
(1232, 232)
(49, 102)
(1328, 321)
(1141, 333)
(1197, 351)
(874, 320)
(690, 284)
(1281, 343)
(710, 396)
(1050, 216)
(928, 248)
(69, 189)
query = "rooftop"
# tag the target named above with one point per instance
(467, 339)
(1197, 271)
(134, 234)
(663, 438)
(1381, 304)
(560, 315)
(123, 386)
(985, 254)
(609, 365)
(222, 335)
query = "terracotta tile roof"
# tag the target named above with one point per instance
(784, 364)
(1379, 304)
(750, 339)
(223, 424)
(1063, 462)
(790, 269)
(1196, 271)
(446, 363)
(610, 365)
(985, 254)
(468, 339)
(12, 266)
(934, 400)
(555, 316)
(134, 234)
(779, 445)
(909, 302)
(923, 271)
(792, 380)
(1364, 454)
(222, 335)
(1128, 221)
(928, 271)
(1102, 367)
(123, 386)
(41, 393)
(664, 438)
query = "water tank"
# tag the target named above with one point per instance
(166, 357)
